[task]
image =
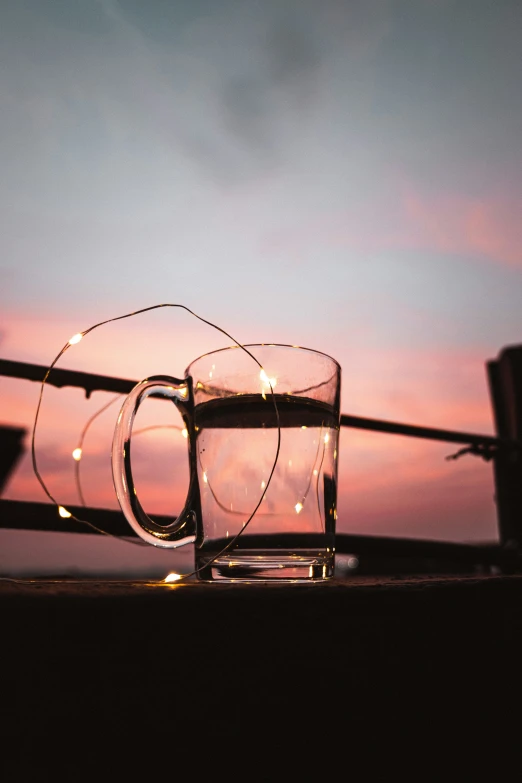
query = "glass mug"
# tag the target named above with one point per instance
(227, 405)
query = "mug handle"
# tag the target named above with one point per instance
(182, 530)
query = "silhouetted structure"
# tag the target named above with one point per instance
(505, 383)
(11, 449)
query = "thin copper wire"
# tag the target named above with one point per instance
(119, 318)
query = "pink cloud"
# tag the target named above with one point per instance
(414, 220)
(457, 224)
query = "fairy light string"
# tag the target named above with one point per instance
(78, 452)
(74, 340)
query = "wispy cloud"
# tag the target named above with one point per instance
(484, 227)
(412, 219)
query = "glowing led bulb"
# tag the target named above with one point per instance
(265, 379)
(298, 508)
(75, 338)
(64, 513)
(184, 432)
(172, 577)
(77, 454)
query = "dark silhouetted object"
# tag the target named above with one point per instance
(11, 449)
(505, 385)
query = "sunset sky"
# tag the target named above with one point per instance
(340, 175)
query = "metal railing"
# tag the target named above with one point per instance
(386, 551)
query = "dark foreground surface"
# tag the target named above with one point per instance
(312, 668)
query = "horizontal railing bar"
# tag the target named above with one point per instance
(415, 431)
(60, 378)
(32, 515)
(90, 382)
(44, 517)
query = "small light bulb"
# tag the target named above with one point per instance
(184, 432)
(75, 338)
(205, 479)
(172, 577)
(326, 438)
(64, 513)
(77, 454)
(298, 508)
(266, 380)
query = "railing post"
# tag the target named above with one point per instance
(505, 386)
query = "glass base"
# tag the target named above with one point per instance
(250, 566)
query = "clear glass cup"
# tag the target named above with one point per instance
(239, 417)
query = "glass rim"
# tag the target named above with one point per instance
(261, 345)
